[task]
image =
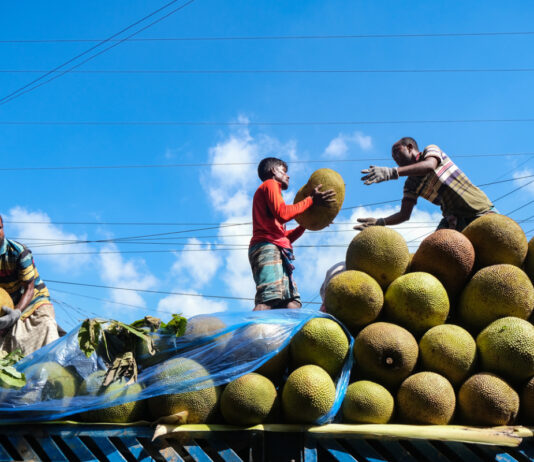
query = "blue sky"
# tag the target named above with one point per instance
(214, 261)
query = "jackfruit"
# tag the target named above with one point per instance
(249, 400)
(380, 252)
(367, 402)
(122, 413)
(426, 398)
(318, 217)
(50, 380)
(5, 300)
(276, 366)
(497, 239)
(529, 262)
(448, 255)
(450, 351)
(385, 353)
(485, 399)
(308, 394)
(496, 292)
(253, 341)
(506, 347)
(417, 301)
(322, 342)
(201, 404)
(354, 298)
(527, 403)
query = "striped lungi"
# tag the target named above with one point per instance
(272, 274)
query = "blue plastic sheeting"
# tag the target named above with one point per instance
(225, 345)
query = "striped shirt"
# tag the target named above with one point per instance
(447, 186)
(17, 269)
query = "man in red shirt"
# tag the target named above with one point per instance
(270, 251)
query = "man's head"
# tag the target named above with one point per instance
(405, 151)
(273, 168)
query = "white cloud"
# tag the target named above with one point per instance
(197, 268)
(128, 273)
(190, 305)
(527, 183)
(35, 230)
(339, 146)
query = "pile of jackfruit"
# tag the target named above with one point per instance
(444, 335)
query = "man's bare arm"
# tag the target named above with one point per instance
(27, 296)
(419, 168)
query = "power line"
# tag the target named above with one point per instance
(156, 291)
(519, 208)
(207, 123)
(230, 164)
(264, 71)
(280, 37)
(28, 87)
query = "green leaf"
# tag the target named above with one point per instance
(89, 336)
(147, 322)
(176, 326)
(10, 377)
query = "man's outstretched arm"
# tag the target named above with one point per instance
(401, 216)
(375, 174)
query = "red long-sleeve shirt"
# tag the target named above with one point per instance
(270, 213)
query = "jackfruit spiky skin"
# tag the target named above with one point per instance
(5, 300)
(121, 413)
(527, 403)
(529, 262)
(319, 217)
(450, 351)
(506, 348)
(201, 405)
(486, 399)
(496, 292)
(367, 402)
(59, 382)
(276, 366)
(380, 252)
(426, 398)
(308, 394)
(385, 353)
(322, 342)
(448, 255)
(497, 239)
(417, 301)
(354, 298)
(249, 400)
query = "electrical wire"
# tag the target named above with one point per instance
(282, 37)
(311, 123)
(28, 87)
(156, 291)
(264, 71)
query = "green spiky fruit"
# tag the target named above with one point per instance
(249, 400)
(367, 402)
(322, 342)
(380, 252)
(318, 217)
(354, 298)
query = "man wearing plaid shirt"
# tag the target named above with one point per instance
(433, 176)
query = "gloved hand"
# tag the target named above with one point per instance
(366, 222)
(379, 174)
(10, 317)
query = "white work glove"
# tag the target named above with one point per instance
(10, 317)
(379, 174)
(366, 222)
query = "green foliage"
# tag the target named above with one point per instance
(9, 376)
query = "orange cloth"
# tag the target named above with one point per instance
(270, 213)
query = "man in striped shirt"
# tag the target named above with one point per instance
(31, 324)
(433, 176)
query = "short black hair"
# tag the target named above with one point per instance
(266, 165)
(408, 140)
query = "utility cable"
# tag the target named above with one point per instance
(281, 37)
(289, 123)
(156, 291)
(28, 87)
